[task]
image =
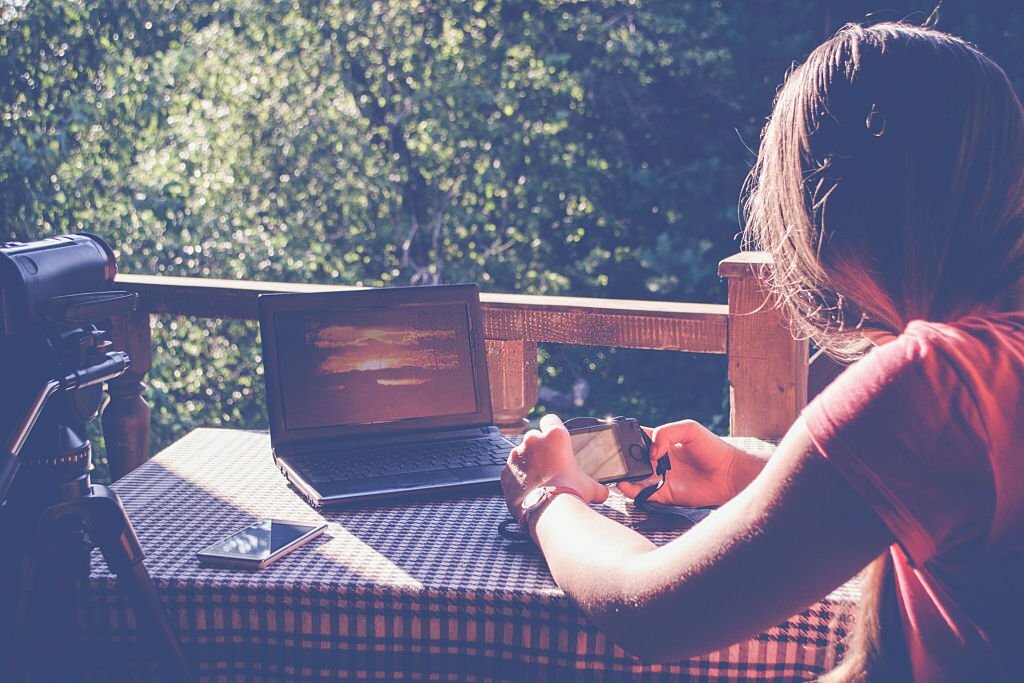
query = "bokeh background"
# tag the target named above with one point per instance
(591, 148)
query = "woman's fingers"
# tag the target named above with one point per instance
(680, 432)
(598, 491)
(550, 421)
(550, 430)
(545, 456)
(530, 439)
(632, 488)
(551, 427)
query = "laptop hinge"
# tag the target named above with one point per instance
(341, 444)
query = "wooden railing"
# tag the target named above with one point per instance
(767, 367)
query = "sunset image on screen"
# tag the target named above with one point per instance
(379, 365)
(354, 349)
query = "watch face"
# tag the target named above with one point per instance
(534, 497)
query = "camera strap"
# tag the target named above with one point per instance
(662, 468)
(662, 516)
(510, 530)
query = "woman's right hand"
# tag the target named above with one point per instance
(706, 470)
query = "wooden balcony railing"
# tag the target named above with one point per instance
(767, 367)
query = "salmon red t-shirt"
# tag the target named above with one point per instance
(929, 429)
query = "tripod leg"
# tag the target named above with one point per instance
(43, 641)
(152, 618)
(22, 623)
(111, 531)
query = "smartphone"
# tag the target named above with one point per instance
(611, 451)
(260, 544)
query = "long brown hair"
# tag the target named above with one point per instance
(889, 187)
(889, 184)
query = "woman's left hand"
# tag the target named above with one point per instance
(545, 458)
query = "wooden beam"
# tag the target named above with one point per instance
(699, 328)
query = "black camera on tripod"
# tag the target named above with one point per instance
(54, 294)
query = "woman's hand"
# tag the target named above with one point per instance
(545, 458)
(705, 469)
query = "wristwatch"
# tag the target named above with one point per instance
(536, 499)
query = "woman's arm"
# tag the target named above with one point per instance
(795, 533)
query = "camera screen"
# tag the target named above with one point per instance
(260, 540)
(598, 454)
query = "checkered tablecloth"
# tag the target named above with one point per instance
(395, 591)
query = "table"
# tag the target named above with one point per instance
(396, 591)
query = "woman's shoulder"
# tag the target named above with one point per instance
(999, 330)
(984, 361)
(982, 355)
(975, 363)
(976, 324)
(934, 415)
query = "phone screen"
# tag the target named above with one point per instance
(598, 454)
(260, 540)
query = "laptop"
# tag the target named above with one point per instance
(380, 392)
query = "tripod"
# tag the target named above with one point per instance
(53, 520)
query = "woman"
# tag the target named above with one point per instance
(889, 189)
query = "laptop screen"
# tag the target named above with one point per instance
(373, 361)
(375, 365)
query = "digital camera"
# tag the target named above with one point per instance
(611, 450)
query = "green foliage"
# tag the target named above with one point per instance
(546, 146)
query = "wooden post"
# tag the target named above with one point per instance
(767, 367)
(512, 371)
(126, 416)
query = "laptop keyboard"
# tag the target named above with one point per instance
(369, 463)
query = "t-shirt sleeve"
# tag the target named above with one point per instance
(902, 428)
